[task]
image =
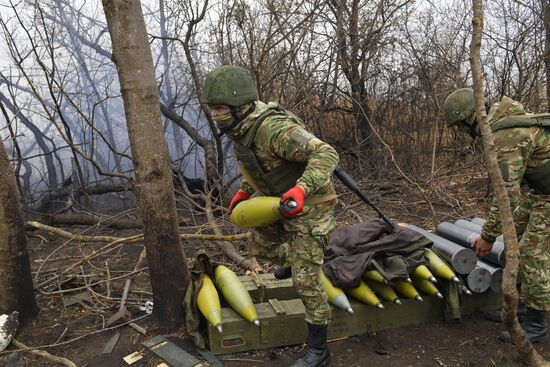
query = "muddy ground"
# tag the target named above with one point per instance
(471, 341)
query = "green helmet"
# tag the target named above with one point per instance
(459, 106)
(229, 85)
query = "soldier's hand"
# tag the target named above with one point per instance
(292, 202)
(239, 196)
(482, 247)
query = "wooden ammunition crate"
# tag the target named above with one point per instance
(281, 315)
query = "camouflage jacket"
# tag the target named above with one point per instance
(518, 149)
(279, 139)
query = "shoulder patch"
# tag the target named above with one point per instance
(301, 136)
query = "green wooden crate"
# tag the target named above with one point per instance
(282, 322)
(265, 286)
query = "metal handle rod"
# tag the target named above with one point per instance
(352, 185)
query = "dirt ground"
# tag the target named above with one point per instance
(471, 341)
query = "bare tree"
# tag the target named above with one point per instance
(360, 39)
(153, 187)
(15, 267)
(509, 283)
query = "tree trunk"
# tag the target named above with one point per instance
(509, 281)
(153, 187)
(15, 267)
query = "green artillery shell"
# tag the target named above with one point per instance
(427, 287)
(439, 267)
(383, 290)
(235, 293)
(423, 272)
(364, 294)
(256, 212)
(406, 289)
(335, 295)
(374, 275)
(209, 303)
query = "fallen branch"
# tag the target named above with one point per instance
(41, 353)
(85, 219)
(184, 236)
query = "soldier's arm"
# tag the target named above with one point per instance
(514, 147)
(292, 142)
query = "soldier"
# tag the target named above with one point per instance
(522, 143)
(277, 156)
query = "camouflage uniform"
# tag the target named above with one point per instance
(298, 242)
(520, 150)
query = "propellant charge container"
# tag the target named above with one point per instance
(464, 233)
(496, 275)
(479, 280)
(463, 260)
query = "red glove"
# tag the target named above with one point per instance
(295, 194)
(237, 198)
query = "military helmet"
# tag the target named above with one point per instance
(459, 106)
(229, 85)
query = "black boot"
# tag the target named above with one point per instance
(283, 272)
(534, 325)
(496, 315)
(317, 354)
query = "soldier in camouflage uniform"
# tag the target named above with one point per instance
(522, 143)
(279, 157)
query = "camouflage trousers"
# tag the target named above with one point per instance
(300, 243)
(534, 250)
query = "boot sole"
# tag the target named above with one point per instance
(326, 363)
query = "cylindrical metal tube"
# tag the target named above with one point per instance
(497, 256)
(479, 221)
(474, 227)
(468, 225)
(463, 260)
(496, 275)
(479, 280)
(457, 234)
(465, 237)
